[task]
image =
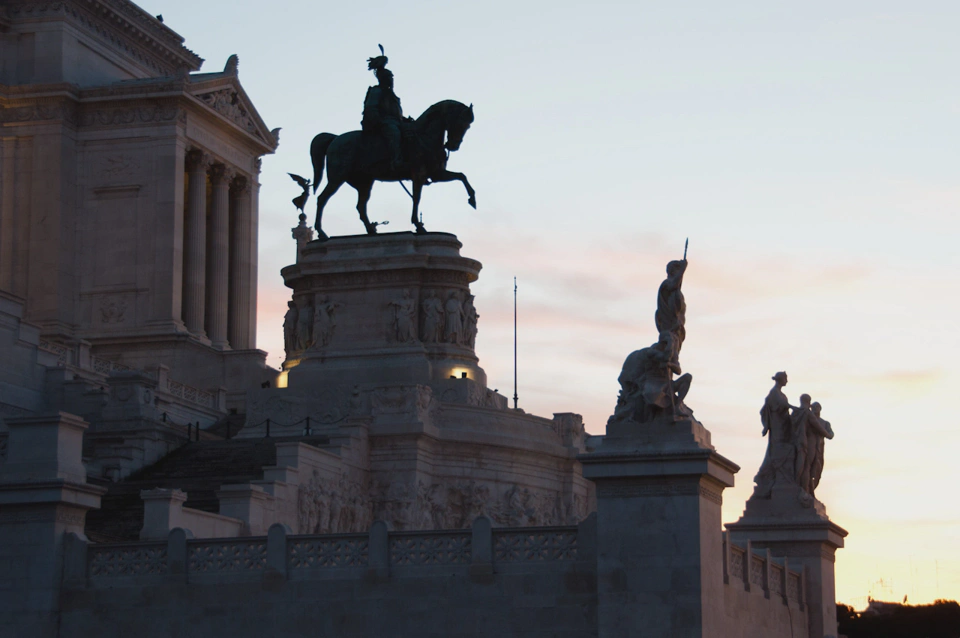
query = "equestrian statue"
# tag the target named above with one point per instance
(390, 148)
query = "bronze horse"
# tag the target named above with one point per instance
(359, 159)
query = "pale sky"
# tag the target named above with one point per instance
(810, 152)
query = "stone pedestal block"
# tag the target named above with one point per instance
(385, 309)
(45, 448)
(810, 540)
(659, 556)
(43, 497)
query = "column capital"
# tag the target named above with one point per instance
(197, 160)
(221, 173)
(240, 186)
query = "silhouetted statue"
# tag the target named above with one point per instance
(648, 389)
(817, 432)
(817, 444)
(671, 313)
(390, 149)
(775, 417)
(300, 200)
(794, 445)
(381, 109)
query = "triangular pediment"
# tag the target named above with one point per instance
(223, 94)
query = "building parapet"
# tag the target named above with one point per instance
(305, 556)
(757, 570)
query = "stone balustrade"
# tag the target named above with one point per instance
(301, 556)
(78, 357)
(757, 570)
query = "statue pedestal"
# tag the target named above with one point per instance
(659, 494)
(810, 541)
(383, 309)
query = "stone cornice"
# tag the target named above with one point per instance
(41, 104)
(120, 23)
(126, 104)
(225, 96)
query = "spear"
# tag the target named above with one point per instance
(685, 244)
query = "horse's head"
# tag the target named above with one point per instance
(458, 119)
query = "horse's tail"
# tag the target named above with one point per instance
(318, 151)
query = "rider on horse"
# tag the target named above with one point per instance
(381, 109)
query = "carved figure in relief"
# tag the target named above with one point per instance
(405, 318)
(304, 324)
(356, 401)
(470, 318)
(432, 318)
(453, 310)
(112, 310)
(290, 328)
(324, 322)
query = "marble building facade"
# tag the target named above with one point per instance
(129, 191)
(156, 478)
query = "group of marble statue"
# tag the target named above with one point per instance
(648, 389)
(307, 325)
(452, 321)
(795, 442)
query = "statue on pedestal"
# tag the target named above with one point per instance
(391, 148)
(381, 109)
(648, 388)
(795, 444)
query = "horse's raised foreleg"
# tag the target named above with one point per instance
(417, 191)
(449, 176)
(363, 196)
(322, 198)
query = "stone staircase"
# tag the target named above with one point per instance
(197, 468)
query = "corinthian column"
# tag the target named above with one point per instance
(194, 267)
(218, 256)
(238, 303)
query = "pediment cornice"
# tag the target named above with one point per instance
(120, 23)
(224, 96)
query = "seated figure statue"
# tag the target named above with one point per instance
(647, 386)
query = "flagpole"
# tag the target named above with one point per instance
(515, 398)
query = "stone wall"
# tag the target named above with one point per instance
(479, 581)
(762, 596)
